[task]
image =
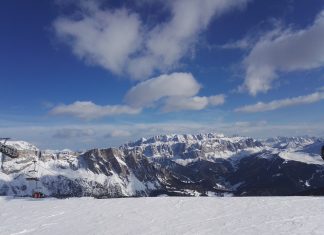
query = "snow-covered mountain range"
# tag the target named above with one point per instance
(203, 164)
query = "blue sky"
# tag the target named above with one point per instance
(82, 74)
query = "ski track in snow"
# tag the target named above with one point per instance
(163, 215)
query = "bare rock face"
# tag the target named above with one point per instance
(185, 165)
(104, 161)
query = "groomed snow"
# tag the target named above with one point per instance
(163, 215)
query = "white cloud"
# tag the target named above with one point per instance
(118, 41)
(176, 92)
(106, 38)
(216, 100)
(284, 51)
(89, 110)
(244, 43)
(176, 84)
(192, 103)
(43, 136)
(185, 103)
(68, 133)
(277, 104)
(118, 134)
(250, 124)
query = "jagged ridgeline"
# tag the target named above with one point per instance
(175, 165)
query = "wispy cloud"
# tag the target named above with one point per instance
(244, 43)
(277, 104)
(284, 51)
(89, 110)
(120, 42)
(118, 134)
(68, 133)
(321, 89)
(250, 124)
(44, 136)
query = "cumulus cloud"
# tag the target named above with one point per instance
(176, 84)
(284, 51)
(106, 38)
(185, 103)
(277, 104)
(176, 92)
(192, 103)
(119, 41)
(89, 110)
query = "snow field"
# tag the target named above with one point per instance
(163, 215)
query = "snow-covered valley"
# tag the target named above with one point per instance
(163, 215)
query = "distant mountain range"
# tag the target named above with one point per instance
(183, 165)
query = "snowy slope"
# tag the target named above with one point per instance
(191, 165)
(302, 157)
(64, 174)
(22, 145)
(302, 149)
(185, 149)
(164, 215)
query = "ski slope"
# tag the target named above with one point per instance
(163, 215)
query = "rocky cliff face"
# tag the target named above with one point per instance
(99, 173)
(206, 164)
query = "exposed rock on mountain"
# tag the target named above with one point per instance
(204, 164)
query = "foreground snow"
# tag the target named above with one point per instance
(164, 215)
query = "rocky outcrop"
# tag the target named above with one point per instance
(187, 165)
